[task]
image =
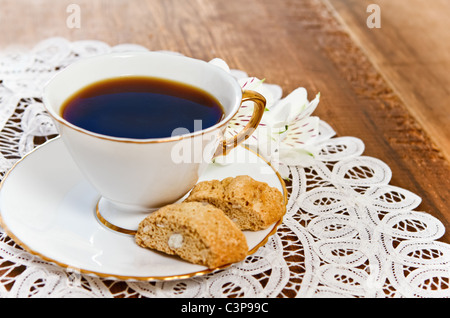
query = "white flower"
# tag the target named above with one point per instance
(287, 133)
(290, 122)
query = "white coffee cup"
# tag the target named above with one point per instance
(136, 176)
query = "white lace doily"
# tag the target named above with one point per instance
(347, 232)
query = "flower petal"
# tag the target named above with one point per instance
(325, 131)
(297, 97)
(293, 107)
(221, 64)
(310, 108)
(296, 157)
(303, 132)
(238, 74)
(282, 169)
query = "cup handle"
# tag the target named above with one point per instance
(258, 111)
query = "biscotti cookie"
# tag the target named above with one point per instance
(195, 231)
(251, 204)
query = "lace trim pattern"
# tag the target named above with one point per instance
(347, 231)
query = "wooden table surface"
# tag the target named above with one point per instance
(388, 86)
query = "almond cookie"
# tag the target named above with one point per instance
(251, 204)
(197, 232)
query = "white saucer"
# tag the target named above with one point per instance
(48, 208)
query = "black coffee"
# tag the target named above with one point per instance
(141, 107)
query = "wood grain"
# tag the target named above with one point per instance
(288, 42)
(411, 51)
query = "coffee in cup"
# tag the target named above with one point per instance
(141, 107)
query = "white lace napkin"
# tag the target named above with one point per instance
(347, 231)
